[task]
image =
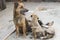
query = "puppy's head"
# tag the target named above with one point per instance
(21, 8)
(50, 23)
(34, 16)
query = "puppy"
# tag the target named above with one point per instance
(28, 25)
(19, 17)
(36, 28)
(49, 31)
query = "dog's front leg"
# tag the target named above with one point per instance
(17, 31)
(24, 30)
(35, 35)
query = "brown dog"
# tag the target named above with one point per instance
(19, 17)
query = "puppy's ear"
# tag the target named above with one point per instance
(31, 15)
(52, 21)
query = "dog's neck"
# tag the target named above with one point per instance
(34, 20)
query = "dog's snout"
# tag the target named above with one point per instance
(22, 11)
(27, 10)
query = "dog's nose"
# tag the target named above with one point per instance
(31, 15)
(27, 10)
(37, 18)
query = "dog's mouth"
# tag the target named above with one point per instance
(26, 10)
(23, 11)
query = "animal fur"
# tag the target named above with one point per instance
(49, 31)
(36, 28)
(28, 26)
(37, 25)
(19, 17)
(40, 23)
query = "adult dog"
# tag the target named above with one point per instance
(19, 17)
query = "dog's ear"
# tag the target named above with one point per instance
(31, 15)
(16, 4)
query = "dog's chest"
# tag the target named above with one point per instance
(34, 23)
(21, 19)
(38, 27)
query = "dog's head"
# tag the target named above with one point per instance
(35, 17)
(21, 9)
(50, 23)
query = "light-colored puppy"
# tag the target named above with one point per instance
(36, 28)
(50, 31)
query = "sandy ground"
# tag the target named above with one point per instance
(51, 14)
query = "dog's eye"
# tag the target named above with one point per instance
(31, 15)
(37, 18)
